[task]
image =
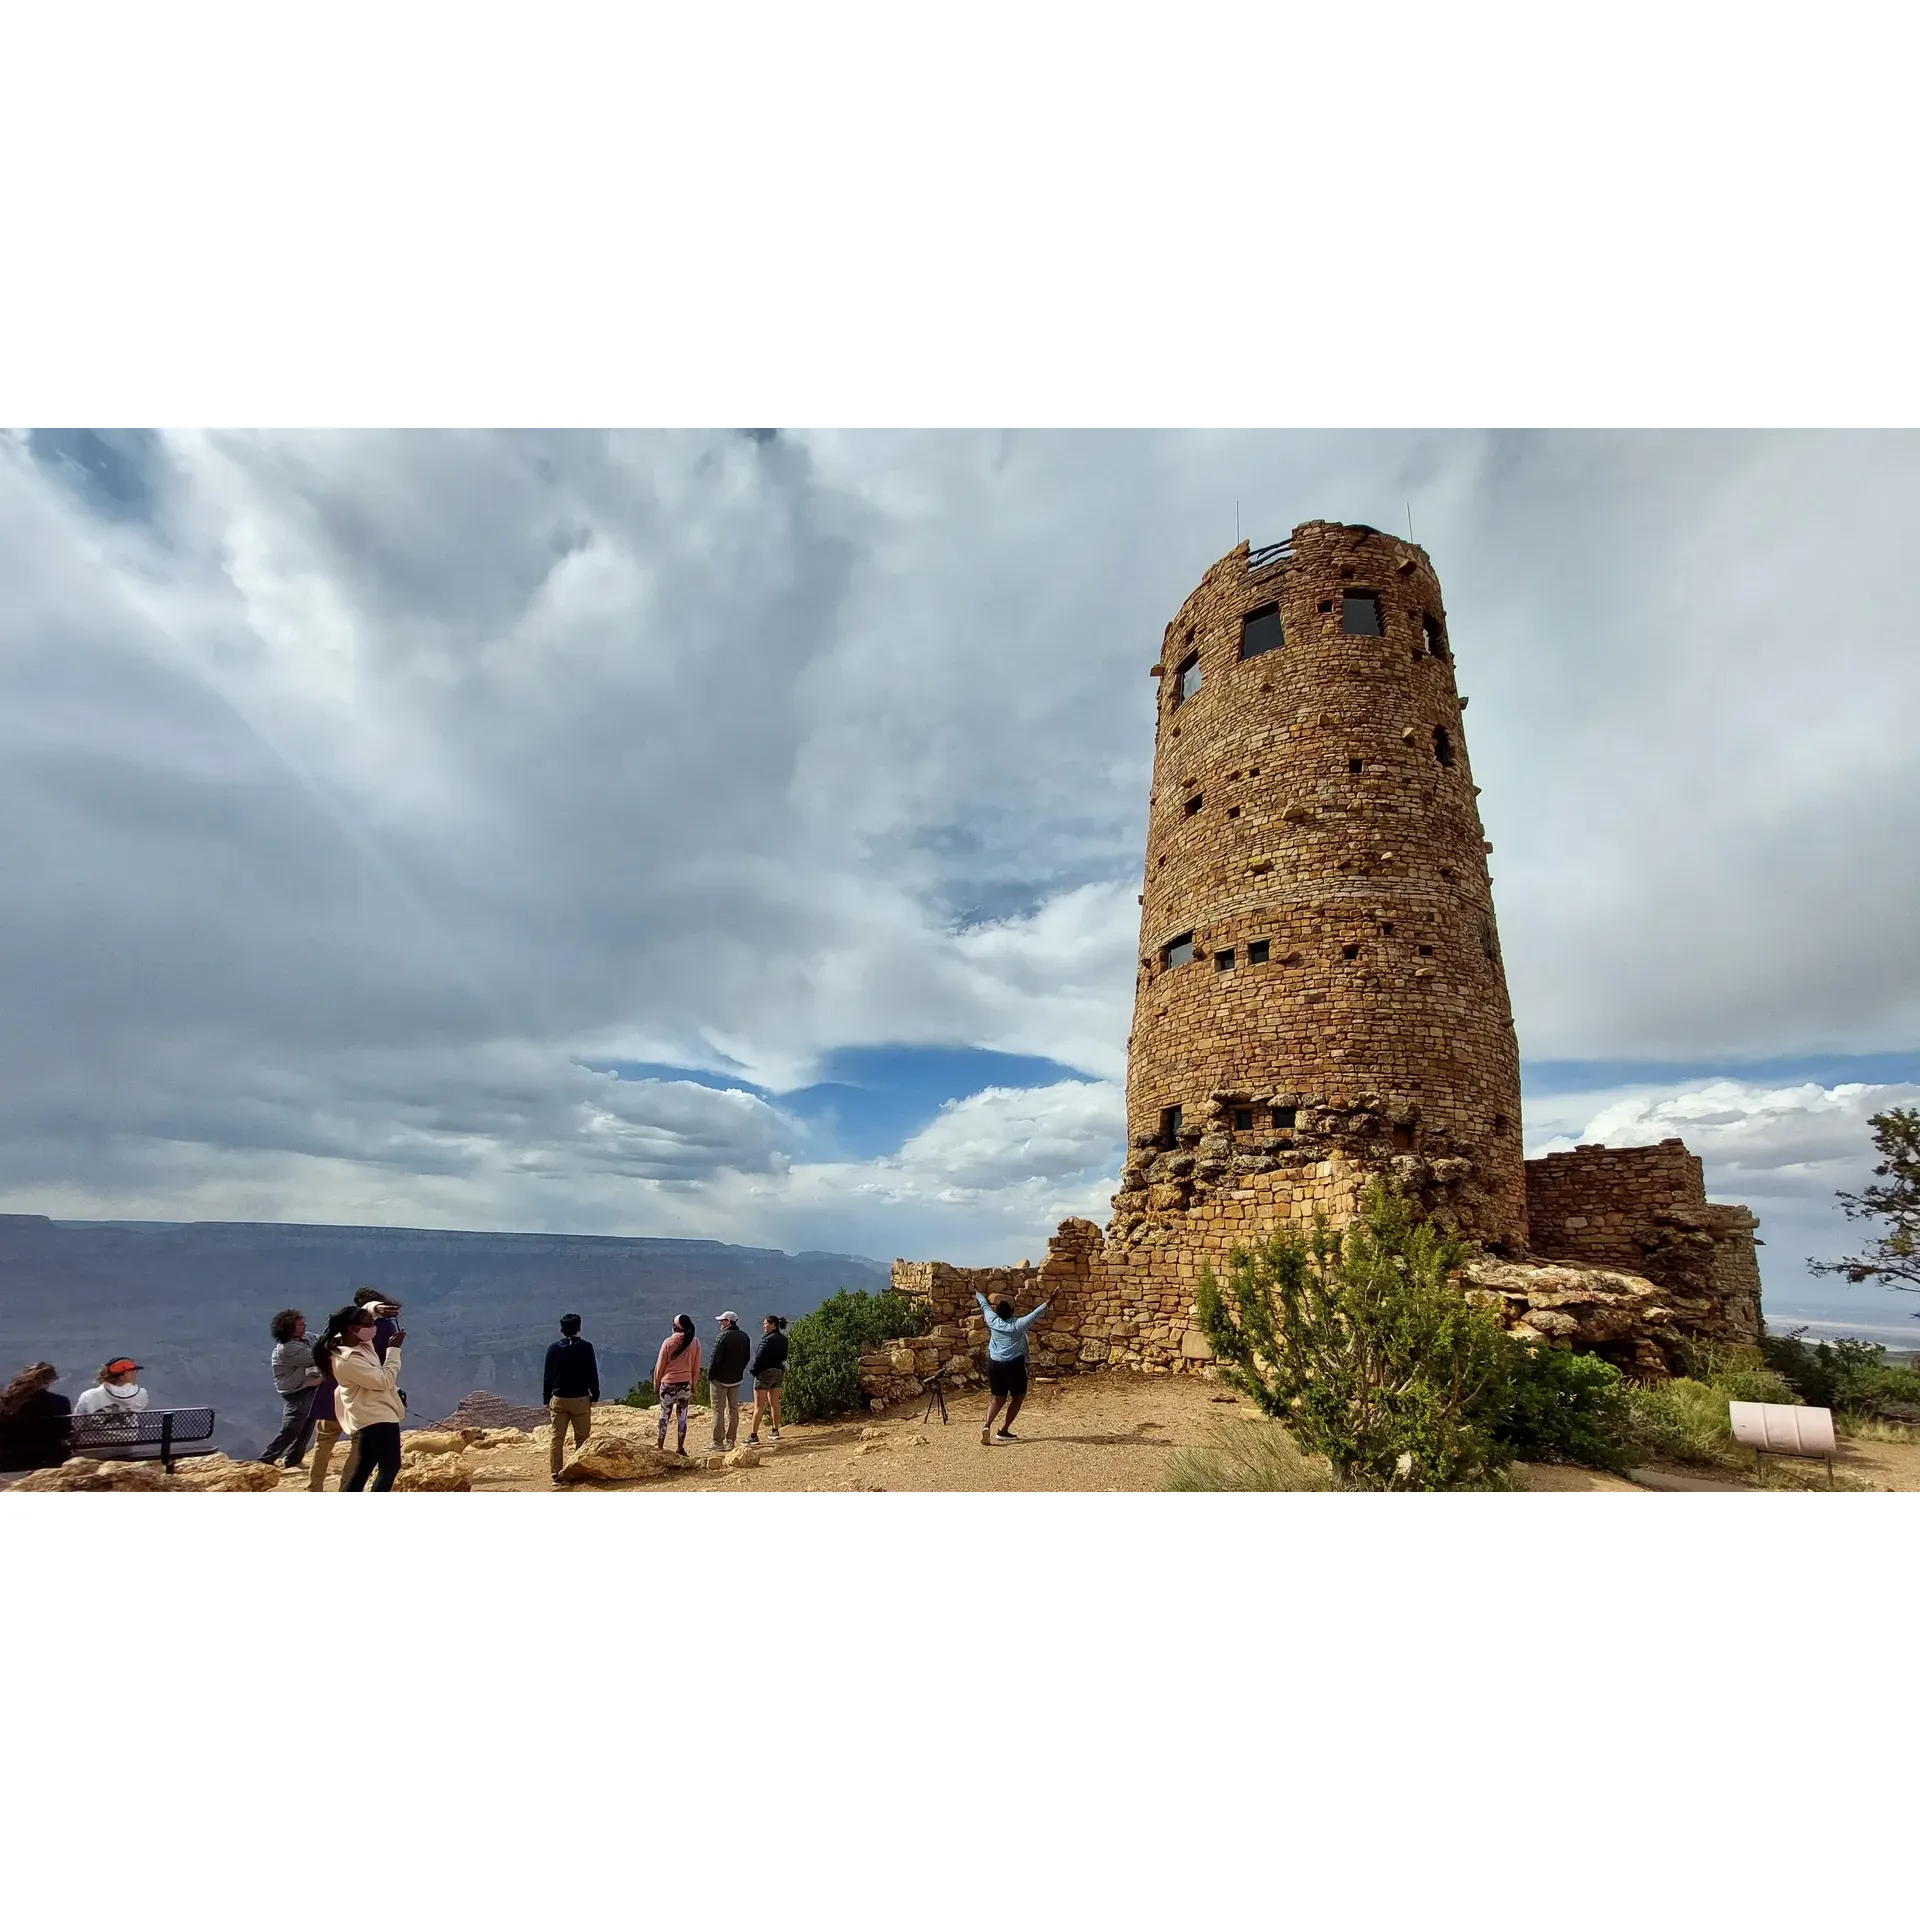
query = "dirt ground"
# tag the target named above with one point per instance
(1108, 1433)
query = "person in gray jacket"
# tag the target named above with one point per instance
(297, 1380)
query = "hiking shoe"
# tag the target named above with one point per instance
(1007, 1433)
(776, 1433)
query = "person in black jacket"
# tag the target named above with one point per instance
(726, 1368)
(769, 1369)
(34, 1423)
(570, 1387)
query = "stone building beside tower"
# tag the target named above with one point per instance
(1320, 1000)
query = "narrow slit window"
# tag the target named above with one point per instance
(1193, 805)
(1435, 636)
(1178, 953)
(1443, 746)
(1186, 679)
(1258, 952)
(1360, 613)
(1169, 1125)
(1260, 632)
(1223, 960)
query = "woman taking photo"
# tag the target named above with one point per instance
(674, 1373)
(367, 1398)
(769, 1369)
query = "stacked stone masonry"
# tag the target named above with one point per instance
(1321, 1000)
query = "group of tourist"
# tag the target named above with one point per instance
(341, 1393)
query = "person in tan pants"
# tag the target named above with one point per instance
(570, 1387)
(326, 1429)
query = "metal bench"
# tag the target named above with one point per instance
(164, 1434)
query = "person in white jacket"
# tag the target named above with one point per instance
(113, 1402)
(367, 1399)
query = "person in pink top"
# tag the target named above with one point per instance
(674, 1374)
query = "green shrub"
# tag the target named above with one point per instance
(642, 1395)
(823, 1349)
(1360, 1343)
(1247, 1457)
(1687, 1421)
(1568, 1406)
(1850, 1376)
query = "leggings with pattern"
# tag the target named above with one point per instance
(672, 1400)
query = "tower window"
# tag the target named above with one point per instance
(1486, 940)
(1223, 960)
(1435, 635)
(1193, 805)
(1177, 953)
(1233, 813)
(1349, 953)
(1169, 1125)
(1353, 766)
(1443, 746)
(1243, 1119)
(1283, 1118)
(1186, 679)
(1326, 606)
(1257, 952)
(1260, 632)
(1499, 1123)
(1360, 613)
(1426, 953)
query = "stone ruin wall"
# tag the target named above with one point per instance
(1644, 1210)
(1314, 829)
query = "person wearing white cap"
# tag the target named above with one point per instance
(725, 1370)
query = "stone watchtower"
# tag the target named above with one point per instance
(1320, 1001)
(1319, 966)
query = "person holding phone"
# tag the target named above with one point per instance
(367, 1393)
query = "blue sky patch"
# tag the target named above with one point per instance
(869, 1101)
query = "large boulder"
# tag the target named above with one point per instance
(215, 1473)
(437, 1440)
(619, 1458)
(81, 1475)
(432, 1473)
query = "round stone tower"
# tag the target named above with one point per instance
(1320, 992)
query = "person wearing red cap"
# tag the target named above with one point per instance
(114, 1401)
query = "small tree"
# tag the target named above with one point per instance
(1364, 1346)
(1894, 1259)
(823, 1348)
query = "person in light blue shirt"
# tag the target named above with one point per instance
(1006, 1362)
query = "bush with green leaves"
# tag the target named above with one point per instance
(1850, 1376)
(1569, 1406)
(641, 1395)
(1361, 1343)
(823, 1348)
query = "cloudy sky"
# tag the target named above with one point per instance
(737, 835)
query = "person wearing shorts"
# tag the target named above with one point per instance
(769, 1369)
(1006, 1362)
(674, 1373)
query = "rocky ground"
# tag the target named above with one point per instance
(1107, 1433)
